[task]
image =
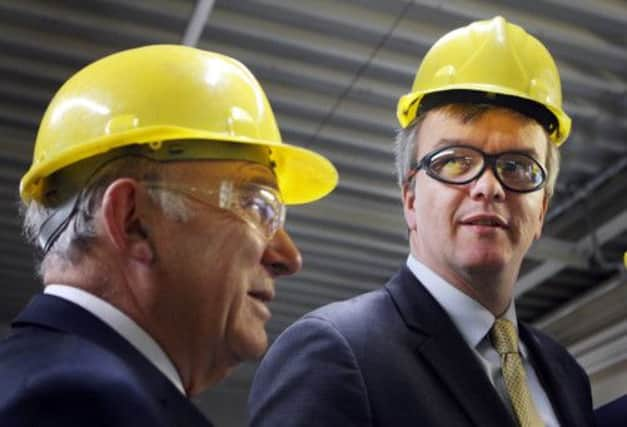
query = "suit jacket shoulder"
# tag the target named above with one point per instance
(390, 357)
(393, 357)
(63, 366)
(613, 414)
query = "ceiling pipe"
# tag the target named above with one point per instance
(197, 22)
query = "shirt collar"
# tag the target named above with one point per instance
(472, 319)
(123, 325)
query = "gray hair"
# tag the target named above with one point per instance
(80, 232)
(406, 148)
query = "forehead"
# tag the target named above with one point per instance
(493, 131)
(199, 171)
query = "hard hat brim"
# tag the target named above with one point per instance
(303, 175)
(409, 105)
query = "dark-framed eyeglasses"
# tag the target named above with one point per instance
(258, 205)
(461, 164)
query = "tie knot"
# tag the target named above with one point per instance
(504, 337)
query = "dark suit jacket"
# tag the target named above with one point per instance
(393, 358)
(62, 366)
(613, 414)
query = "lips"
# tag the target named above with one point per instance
(263, 295)
(485, 220)
(260, 298)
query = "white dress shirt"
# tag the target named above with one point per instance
(474, 323)
(123, 325)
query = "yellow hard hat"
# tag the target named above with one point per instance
(495, 58)
(154, 94)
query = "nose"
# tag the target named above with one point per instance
(282, 257)
(487, 187)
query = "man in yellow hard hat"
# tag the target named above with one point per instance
(156, 198)
(440, 344)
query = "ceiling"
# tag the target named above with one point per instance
(333, 71)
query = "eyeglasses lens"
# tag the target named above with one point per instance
(519, 172)
(456, 164)
(262, 207)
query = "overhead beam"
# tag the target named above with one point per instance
(578, 303)
(610, 229)
(197, 22)
(606, 348)
(552, 249)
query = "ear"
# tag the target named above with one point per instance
(543, 210)
(409, 210)
(123, 205)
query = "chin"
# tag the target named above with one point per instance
(485, 261)
(257, 351)
(252, 347)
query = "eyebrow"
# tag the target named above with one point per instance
(258, 174)
(445, 142)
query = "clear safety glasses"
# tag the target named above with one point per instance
(258, 205)
(461, 164)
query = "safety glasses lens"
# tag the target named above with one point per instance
(263, 207)
(456, 164)
(519, 172)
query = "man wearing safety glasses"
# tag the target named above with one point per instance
(156, 199)
(440, 344)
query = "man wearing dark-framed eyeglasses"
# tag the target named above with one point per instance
(440, 345)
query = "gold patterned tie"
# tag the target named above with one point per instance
(505, 340)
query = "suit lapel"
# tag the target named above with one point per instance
(52, 312)
(443, 347)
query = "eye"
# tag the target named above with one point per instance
(262, 207)
(520, 170)
(452, 164)
(258, 209)
(261, 210)
(512, 168)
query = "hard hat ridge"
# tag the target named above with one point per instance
(493, 57)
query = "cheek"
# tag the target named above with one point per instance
(436, 207)
(231, 239)
(529, 214)
(235, 258)
(223, 256)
